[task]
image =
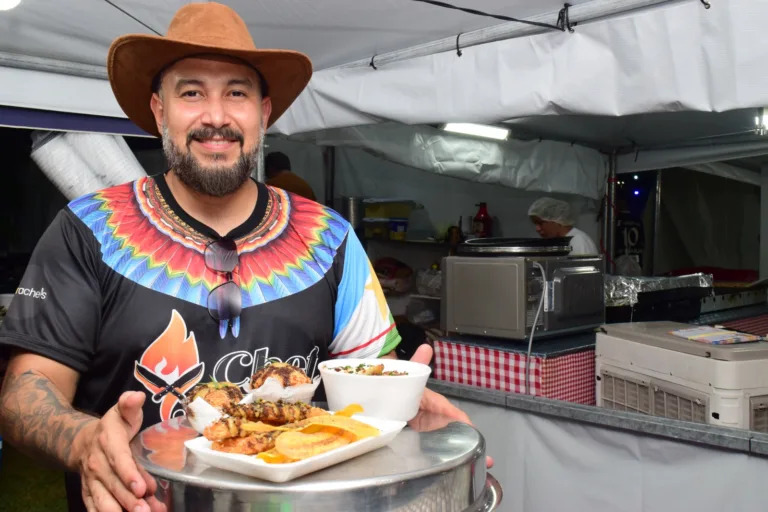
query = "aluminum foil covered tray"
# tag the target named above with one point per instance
(624, 290)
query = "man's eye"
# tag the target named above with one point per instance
(239, 94)
(190, 94)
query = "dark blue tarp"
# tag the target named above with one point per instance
(63, 121)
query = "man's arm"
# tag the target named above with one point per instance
(36, 413)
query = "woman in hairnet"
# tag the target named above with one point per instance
(552, 219)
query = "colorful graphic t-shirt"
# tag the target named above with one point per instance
(117, 289)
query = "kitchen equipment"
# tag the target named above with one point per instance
(653, 299)
(434, 464)
(641, 367)
(351, 208)
(500, 296)
(516, 247)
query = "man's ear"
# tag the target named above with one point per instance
(266, 112)
(156, 104)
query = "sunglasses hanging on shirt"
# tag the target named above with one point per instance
(225, 301)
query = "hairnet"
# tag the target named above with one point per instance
(553, 210)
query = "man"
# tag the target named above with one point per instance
(152, 286)
(277, 166)
(552, 219)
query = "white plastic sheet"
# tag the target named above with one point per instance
(79, 163)
(546, 464)
(546, 166)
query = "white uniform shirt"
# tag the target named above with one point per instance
(581, 244)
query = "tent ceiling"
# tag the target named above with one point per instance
(672, 139)
(331, 32)
(641, 131)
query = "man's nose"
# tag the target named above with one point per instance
(215, 114)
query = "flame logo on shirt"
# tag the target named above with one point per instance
(170, 366)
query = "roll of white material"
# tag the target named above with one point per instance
(66, 168)
(112, 162)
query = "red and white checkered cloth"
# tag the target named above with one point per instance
(756, 325)
(570, 377)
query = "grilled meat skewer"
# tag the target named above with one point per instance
(273, 413)
(250, 445)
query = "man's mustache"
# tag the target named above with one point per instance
(227, 133)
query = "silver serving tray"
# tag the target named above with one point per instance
(434, 464)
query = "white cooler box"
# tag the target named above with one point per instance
(642, 368)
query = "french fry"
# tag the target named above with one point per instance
(349, 411)
(273, 457)
(358, 428)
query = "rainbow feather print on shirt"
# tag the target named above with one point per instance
(143, 240)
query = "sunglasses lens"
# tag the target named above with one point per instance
(225, 302)
(221, 255)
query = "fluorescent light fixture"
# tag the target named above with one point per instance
(761, 121)
(478, 130)
(7, 5)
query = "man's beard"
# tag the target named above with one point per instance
(214, 180)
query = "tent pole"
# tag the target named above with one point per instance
(12, 60)
(656, 224)
(763, 263)
(580, 14)
(610, 214)
(329, 166)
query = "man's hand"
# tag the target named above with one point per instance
(435, 402)
(111, 479)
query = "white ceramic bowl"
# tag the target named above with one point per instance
(381, 396)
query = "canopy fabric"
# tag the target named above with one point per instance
(540, 166)
(676, 56)
(670, 58)
(331, 32)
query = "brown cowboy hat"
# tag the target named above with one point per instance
(135, 60)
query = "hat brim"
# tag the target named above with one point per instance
(135, 60)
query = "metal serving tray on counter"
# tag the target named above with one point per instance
(434, 464)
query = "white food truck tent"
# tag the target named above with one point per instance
(659, 82)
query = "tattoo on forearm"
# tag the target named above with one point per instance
(36, 417)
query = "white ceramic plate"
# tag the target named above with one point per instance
(279, 473)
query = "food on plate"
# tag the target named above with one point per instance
(228, 428)
(301, 445)
(288, 375)
(294, 432)
(273, 413)
(359, 429)
(250, 445)
(218, 394)
(367, 369)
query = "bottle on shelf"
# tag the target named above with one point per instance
(482, 223)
